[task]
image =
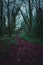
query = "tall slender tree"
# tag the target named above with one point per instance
(1, 14)
(9, 25)
(30, 14)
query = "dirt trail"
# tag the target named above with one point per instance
(24, 54)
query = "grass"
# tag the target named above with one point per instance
(31, 38)
(6, 42)
(10, 40)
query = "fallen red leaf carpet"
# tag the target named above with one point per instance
(24, 53)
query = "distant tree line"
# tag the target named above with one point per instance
(29, 19)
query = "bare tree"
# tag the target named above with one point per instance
(30, 14)
(1, 13)
(17, 7)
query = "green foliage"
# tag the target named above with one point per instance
(9, 40)
(6, 42)
(31, 37)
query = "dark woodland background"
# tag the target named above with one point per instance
(21, 21)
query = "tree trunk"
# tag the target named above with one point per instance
(1, 15)
(9, 25)
(30, 15)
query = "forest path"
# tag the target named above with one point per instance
(24, 53)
